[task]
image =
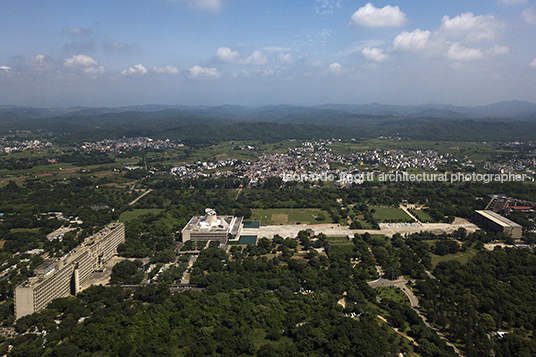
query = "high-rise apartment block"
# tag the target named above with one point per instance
(67, 275)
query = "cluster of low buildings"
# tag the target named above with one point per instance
(126, 144)
(10, 146)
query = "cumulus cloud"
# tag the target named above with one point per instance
(285, 58)
(5, 69)
(374, 54)
(335, 67)
(135, 70)
(470, 27)
(166, 70)
(80, 61)
(529, 16)
(415, 40)
(370, 16)
(94, 70)
(78, 31)
(257, 58)
(499, 50)
(533, 63)
(457, 52)
(225, 54)
(198, 71)
(39, 64)
(210, 5)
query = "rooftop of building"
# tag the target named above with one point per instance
(498, 219)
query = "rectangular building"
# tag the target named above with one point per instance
(498, 223)
(67, 275)
(212, 227)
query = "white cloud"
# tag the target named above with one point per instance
(529, 16)
(166, 70)
(210, 5)
(513, 2)
(374, 54)
(112, 46)
(257, 58)
(135, 70)
(411, 41)
(318, 63)
(75, 30)
(286, 58)
(225, 54)
(39, 63)
(457, 52)
(370, 16)
(5, 69)
(470, 27)
(335, 67)
(198, 71)
(94, 70)
(499, 50)
(533, 63)
(80, 61)
(326, 6)
(38, 59)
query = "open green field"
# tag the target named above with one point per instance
(128, 216)
(340, 245)
(277, 216)
(422, 216)
(387, 214)
(462, 257)
(392, 293)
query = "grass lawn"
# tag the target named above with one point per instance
(462, 257)
(277, 216)
(340, 245)
(258, 337)
(392, 293)
(385, 214)
(422, 216)
(128, 216)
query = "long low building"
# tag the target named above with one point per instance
(67, 275)
(498, 223)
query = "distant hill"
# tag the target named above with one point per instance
(513, 120)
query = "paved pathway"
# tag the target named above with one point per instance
(136, 200)
(336, 230)
(401, 283)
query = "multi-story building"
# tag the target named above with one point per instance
(68, 274)
(498, 223)
(212, 227)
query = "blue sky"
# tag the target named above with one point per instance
(255, 52)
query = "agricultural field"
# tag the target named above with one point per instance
(278, 216)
